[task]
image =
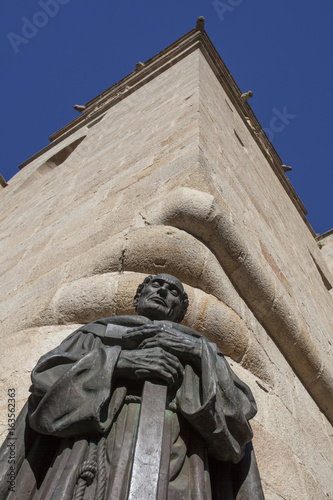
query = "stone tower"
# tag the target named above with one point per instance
(169, 171)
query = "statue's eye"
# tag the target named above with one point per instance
(155, 285)
(175, 292)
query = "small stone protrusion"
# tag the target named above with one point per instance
(140, 65)
(247, 95)
(79, 107)
(3, 183)
(200, 26)
(286, 168)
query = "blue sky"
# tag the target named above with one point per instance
(57, 53)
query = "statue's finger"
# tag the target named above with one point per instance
(142, 372)
(149, 332)
(154, 341)
(168, 377)
(138, 329)
(173, 360)
(144, 343)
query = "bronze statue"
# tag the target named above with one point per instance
(86, 439)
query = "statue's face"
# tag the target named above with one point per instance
(160, 298)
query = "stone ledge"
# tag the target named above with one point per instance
(324, 235)
(3, 183)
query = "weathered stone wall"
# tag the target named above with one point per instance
(326, 244)
(171, 179)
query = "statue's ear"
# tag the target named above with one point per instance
(137, 296)
(139, 290)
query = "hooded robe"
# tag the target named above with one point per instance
(77, 435)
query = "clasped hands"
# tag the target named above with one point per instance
(162, 353)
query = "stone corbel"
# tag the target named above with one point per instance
(199, 214)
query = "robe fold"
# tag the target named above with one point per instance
(81, 425)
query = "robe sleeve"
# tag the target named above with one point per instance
(72, 386)
(218, 405)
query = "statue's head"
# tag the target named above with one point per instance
(161, 297)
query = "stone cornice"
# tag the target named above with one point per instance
(324, 235)
(193, 40)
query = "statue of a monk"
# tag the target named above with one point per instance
(84, 410)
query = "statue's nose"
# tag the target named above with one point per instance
(163, 291)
